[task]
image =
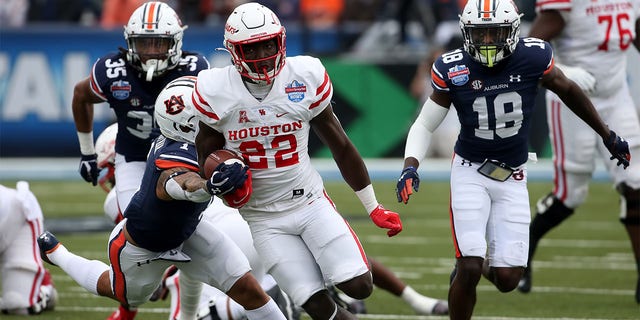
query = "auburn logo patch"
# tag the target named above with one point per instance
(174, 105)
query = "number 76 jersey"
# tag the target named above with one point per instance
(494, 104)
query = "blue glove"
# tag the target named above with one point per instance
(89, 168)
(409, 181)
(619, 149)
(227, 178)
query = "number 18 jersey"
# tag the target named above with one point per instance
(494, 104)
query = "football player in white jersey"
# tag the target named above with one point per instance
(492, 82)
(264, 108)
(27, 287)
(590, 39)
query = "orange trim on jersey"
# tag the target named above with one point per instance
(324, 96)
(119, 283)
(453, 230)
(95, 88)
(177, 285)
(35, 252)
(150, 12)
(324, 83)
(439, 81)
(353, 234)
(197, 102)
(551, 65)
(559, 178)
(168, 164)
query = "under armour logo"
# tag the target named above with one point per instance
(466, 162)
(514, 78)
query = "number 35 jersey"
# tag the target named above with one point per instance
(272, 134)
(132, 98)
(494, 105)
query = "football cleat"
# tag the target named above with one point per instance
(162, 291)
(524, 285)
(123, 313)
(48, 244)
(440, 308)
(350, 304)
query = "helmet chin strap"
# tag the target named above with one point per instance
(151, 65)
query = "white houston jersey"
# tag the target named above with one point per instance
(271, 134)
(596, 36)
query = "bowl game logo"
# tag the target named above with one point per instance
(120, 89)
(459, 75)
(295, 91)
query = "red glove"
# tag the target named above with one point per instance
(386, 219)
(240, 196)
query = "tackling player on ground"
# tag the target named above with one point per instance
(492, 83)
(162, 227)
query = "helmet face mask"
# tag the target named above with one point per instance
(256, 41)
(174, 111)
(154, 39)
(490, 29)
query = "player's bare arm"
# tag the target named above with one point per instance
(82, 105)
(347, 157)
(571, 94)
(207, 140)
(547, 25)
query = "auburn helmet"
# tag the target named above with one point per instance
(490, 29)
(154, 38)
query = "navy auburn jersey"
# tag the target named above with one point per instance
(132, 98)
(494, 105)
(155, 224)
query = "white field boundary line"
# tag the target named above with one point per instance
(360, 316)
(387, 169)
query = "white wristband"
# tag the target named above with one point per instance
(86, 143)
(368, 198)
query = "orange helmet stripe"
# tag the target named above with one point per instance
(150, 15)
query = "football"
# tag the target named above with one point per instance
(217, 157)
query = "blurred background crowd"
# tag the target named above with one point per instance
(404, 24)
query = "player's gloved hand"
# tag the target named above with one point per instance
(619, 149)
(226, 178)
(408, 181)
(581, 77)
(89, 168)
(240, 196)
(387, 219)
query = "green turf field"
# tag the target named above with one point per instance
(584, 268)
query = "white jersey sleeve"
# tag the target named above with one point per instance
(272, 134)
(595, 38)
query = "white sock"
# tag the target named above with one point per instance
(269, 311)
(84, 271)
(190, 290)
(420, 304)
(226, 307)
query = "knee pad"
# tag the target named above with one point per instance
(630, 204)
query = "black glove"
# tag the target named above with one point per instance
(227, 178)
(89, 168)
(619, 149)
(408, 180)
